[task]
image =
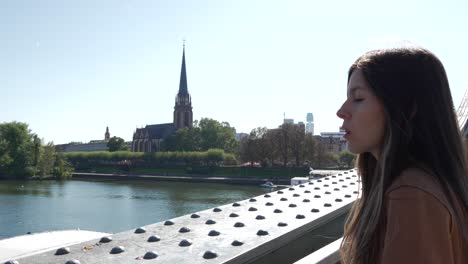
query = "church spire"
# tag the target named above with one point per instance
(183, 76)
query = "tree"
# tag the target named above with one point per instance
(116, 144)
(297, 137)
(310, 148)
(346, 159)
(16, 150)
(45, 165)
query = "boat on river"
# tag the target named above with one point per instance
(268, 184)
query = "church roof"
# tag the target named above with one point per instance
(157, 131)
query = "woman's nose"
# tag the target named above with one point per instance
(343, 114)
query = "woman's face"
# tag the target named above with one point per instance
(363, 117)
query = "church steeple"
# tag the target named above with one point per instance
(183, 116)
(183, 76)
(107, 134)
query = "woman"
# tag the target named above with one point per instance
(399, 117)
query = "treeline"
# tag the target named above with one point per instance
(127, 160)
(290, 145)
(24, 155)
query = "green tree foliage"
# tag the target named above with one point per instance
(116, 144)
(204, 135)
(346, 159)
(45, 165)
(16, 150)
(62, 168)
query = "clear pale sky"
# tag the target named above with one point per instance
(71, 68)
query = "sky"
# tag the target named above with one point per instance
(71, 68)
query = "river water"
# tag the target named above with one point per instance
(106, 205)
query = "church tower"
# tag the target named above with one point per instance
(107, 134)
(183, 116)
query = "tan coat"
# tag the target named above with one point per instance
(421, 225)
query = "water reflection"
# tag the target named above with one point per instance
(107, 206)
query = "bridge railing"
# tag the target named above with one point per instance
(283, 226)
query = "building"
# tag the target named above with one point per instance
(93, 145)
(309, 124)
(149, 138)
(332, 141)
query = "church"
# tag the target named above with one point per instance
(149, 138)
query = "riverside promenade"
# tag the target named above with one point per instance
(195, 178)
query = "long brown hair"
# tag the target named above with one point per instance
(421, 128)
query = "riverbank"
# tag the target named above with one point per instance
(196, 178)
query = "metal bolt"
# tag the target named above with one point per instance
(348, 178)
(336, 189)
(252, 200)
(334, 182)
(327, 205)
(239, 224)
(262, 232)
(105, 239)
(233, 215)
(140, 230)
(151, 255)
(62, 251)
(253, 209)
(327, 192)
(279, 192)
(347, 196)
(72, 261)
(326, 185)
(185, 243)
(260, 217)
(282, 224)
(341, 180)
(210, 255)
(213, 233)
(315, 210)
(267, 196)
(306, 201)
(283, 199)
(184, 230)
(235, 204)
(292, 205)
(117, 250)
(216, 210)
(296, 195)
(210, 222)
(195, 216)
(269, 204)
(299, 216)
(237, 243)
(306, 191)
(338, 200)
(317, 196)
(154, 238)
(291, 189)
(168, 222)
(277, 211)
(344, 186)
(317, 188)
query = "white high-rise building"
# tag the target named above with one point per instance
(310, 123)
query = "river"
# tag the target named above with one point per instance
(106, 205)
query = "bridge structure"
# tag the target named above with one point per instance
(289, 225)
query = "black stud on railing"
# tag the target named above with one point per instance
(151, 255)
(236, 204)
(210, 255)
(233, 215)
(299, 216)
(216, 210)
(306, 201)
(140, 230)
(327, 205)
(239, 224)
(277, 211)
(317, 196)
(210, 222)
(260, 217)
(184, 230)
(154, 238)
(267, 196)
(62, 251)
(292, 205)
(262, 232)
(315, 210)
(185, 243)
(283, 199)
(71, 261)
(306, 191)
(213, 233)
(195, 216)
(251, 209)
(168, 223)
(105, 239)
(252, 200)
(269, 204)
(237, 243)
(279, 192)
(282, 224)
(117, 250)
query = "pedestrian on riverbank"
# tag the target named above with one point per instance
(399, 117)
